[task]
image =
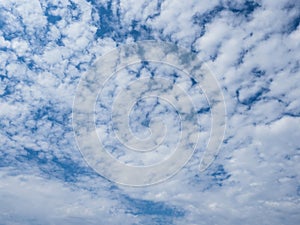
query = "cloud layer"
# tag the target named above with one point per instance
(253, 49)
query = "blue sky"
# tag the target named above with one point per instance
(253, 50)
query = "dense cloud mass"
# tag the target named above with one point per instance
(252, 48)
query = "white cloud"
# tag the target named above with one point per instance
(247, 55)
(30, 199)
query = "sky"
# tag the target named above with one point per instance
(49, 50)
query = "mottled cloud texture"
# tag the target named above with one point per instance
(252, 48)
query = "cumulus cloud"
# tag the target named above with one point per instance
(253, 50)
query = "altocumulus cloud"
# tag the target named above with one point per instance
(253, 49)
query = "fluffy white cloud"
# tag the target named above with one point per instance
(253, 49)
